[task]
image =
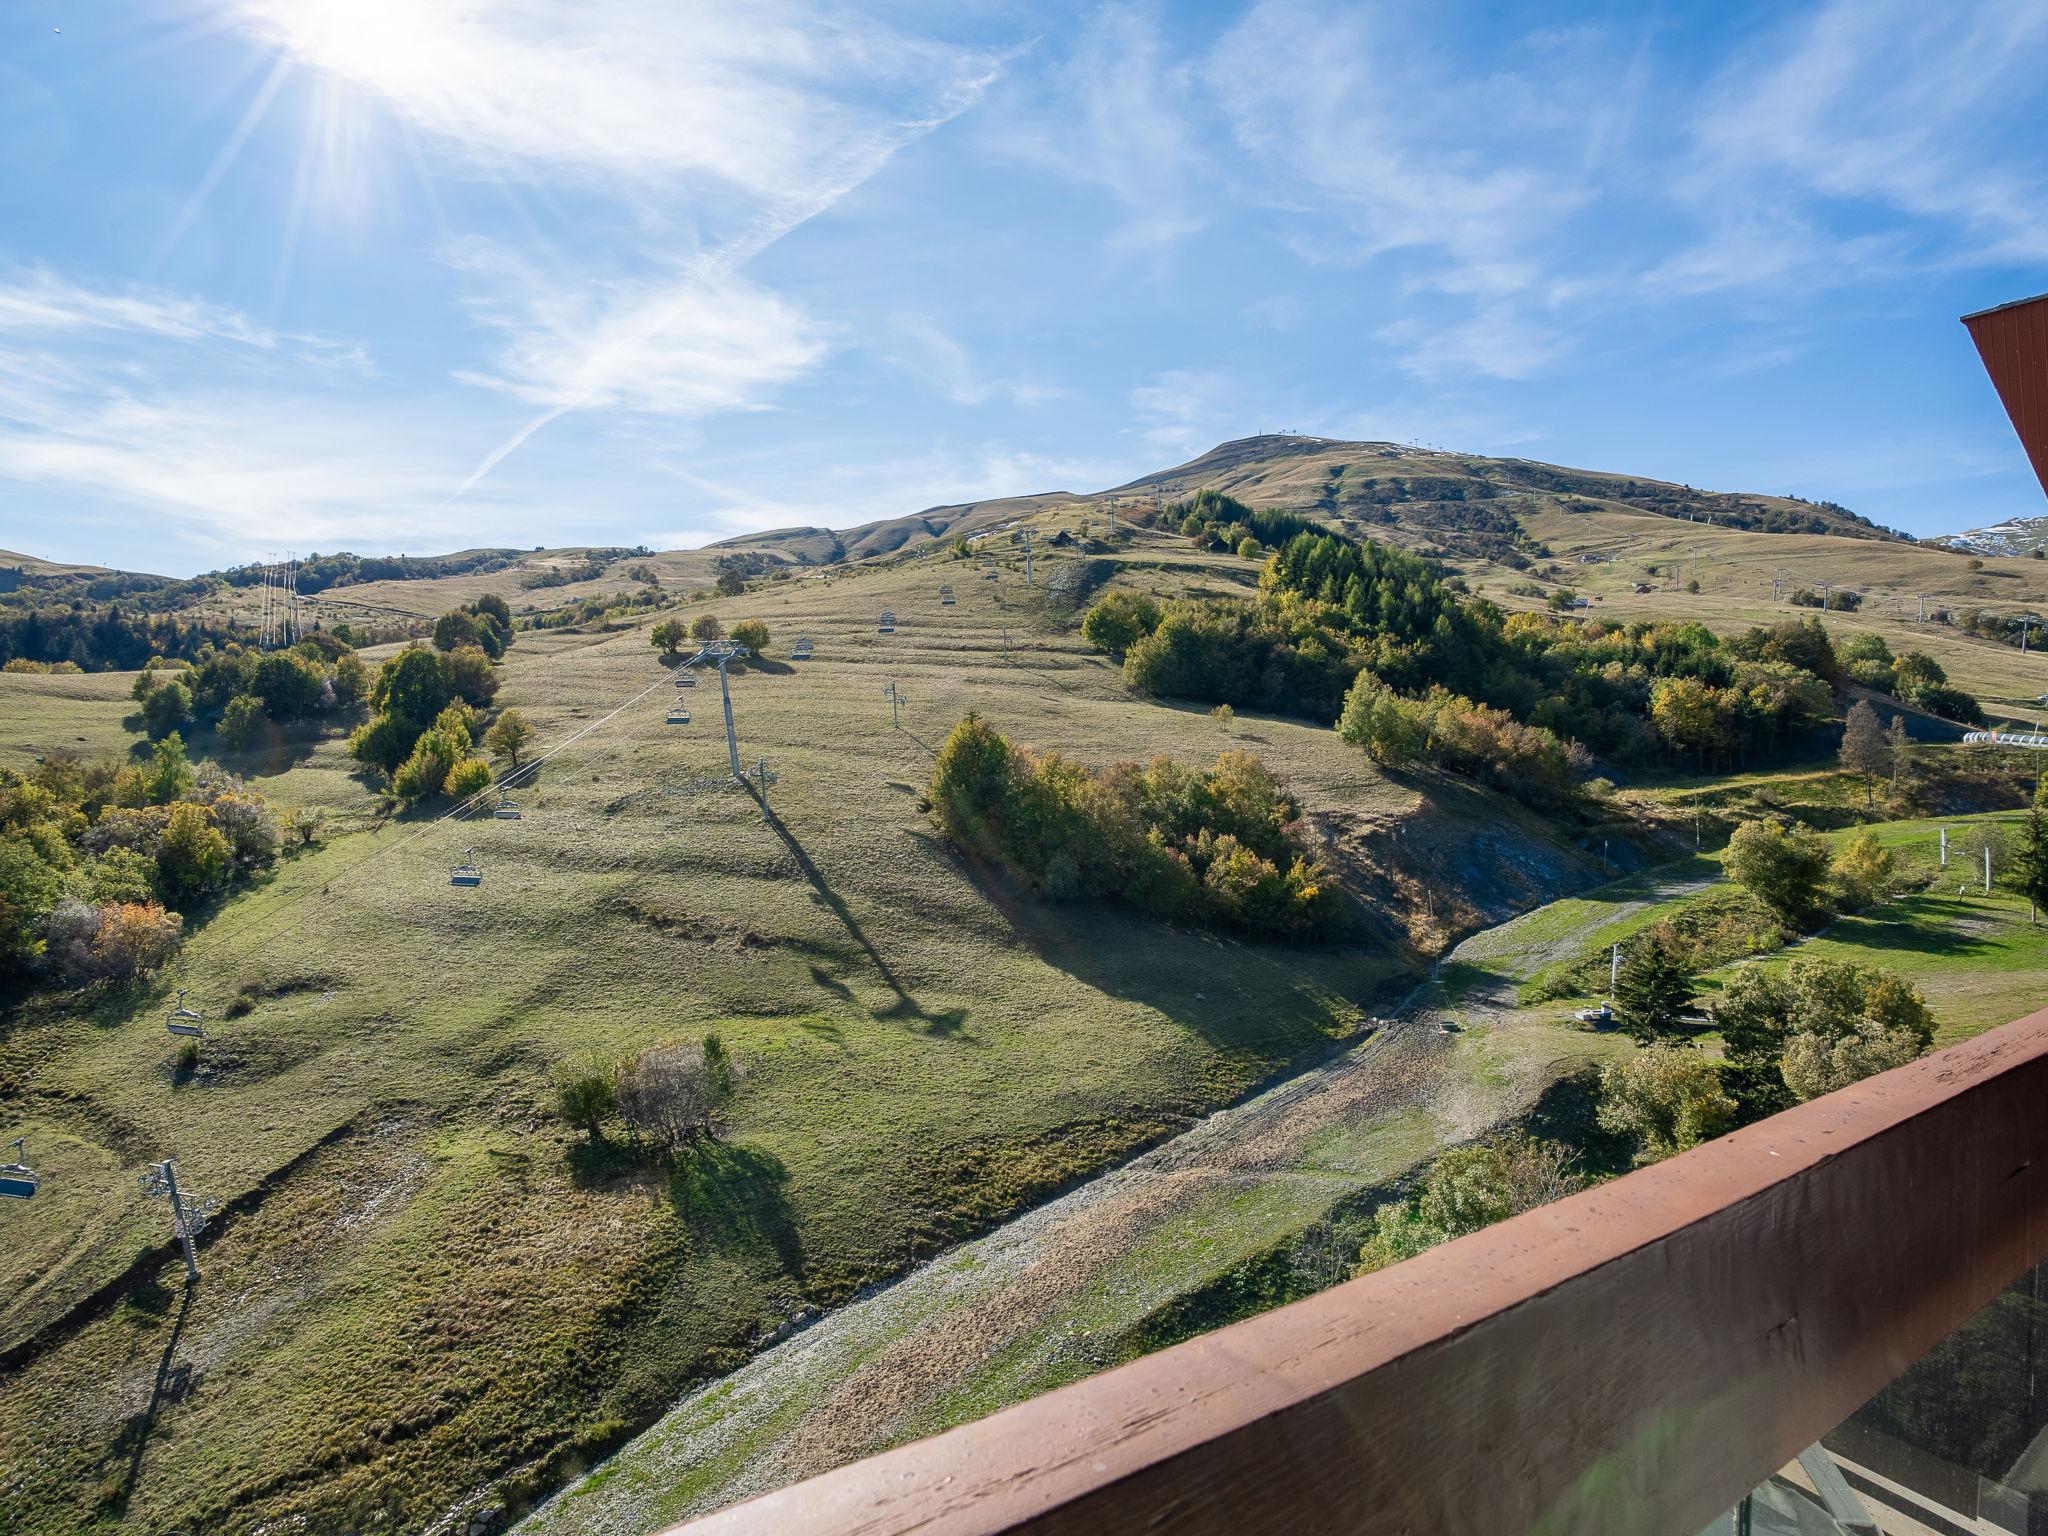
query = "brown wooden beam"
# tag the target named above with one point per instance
(1629, 1361)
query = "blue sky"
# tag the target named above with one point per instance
(423, 274)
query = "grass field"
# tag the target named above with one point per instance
(421, 1282)
(425, 1294)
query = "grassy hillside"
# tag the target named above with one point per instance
(422, 1282)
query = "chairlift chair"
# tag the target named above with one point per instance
(888, 624)
(18, 1181)
(679, 716)
(506, 810)
(184, 1021)
(801, 651)
(468, 872)
(686, 679)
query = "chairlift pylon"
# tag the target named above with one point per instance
(18, 1181)
(468, 872)
(184, 1021)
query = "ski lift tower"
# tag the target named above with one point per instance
(719, 653)
(189, 1212)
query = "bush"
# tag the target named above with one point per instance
(1864, 872)
(705, 628)
(168, 706)
(1666, 1098)
(469, 777)
(751, 633)
(193, 857)
(1784, 868)
(433, 758)
(675, 1094)
(585, 1095)
(132, 942)
(1119, 620)
(668, 636)
(242, 722)
(1468, 1188)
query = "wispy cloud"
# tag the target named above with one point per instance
(1186, 410)
(40, 306)
(714, 132)
(1870, 138)
(921, 347)
(1113, 115)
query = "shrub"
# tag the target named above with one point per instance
(1119, 620)
(705, 628)
(1864, 872)
(669, 636)
(423, 773)
(676, 1093)
(242, 722)
(1665, 1097)
(751, 633)
(1782, 868)
(1468, 1188)
(585, 1095)
(132, 941)
(193, 857)
(168, 706)
(469, 777)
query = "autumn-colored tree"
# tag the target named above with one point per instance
(1864, 749)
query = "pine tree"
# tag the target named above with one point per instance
(1653, 987)
(2031, 867)
(1863, 747)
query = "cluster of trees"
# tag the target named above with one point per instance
(243, 691)
(674, 1095)
(673, 636)
(427, 722)
(1831, 601)
(1787, 1036)
(1426, 673)
(316, 573)
(1450, 731)
(87, 638)
(98, 860)
(1914, 678)
(1224, 844)
(1212, 520)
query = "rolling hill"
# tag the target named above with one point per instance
(1468, 501)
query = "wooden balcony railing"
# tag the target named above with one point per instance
(1631, 1360)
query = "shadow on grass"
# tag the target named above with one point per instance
(731, 1194)
(172, 1383)
(1913, 933)
(950, 1023)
